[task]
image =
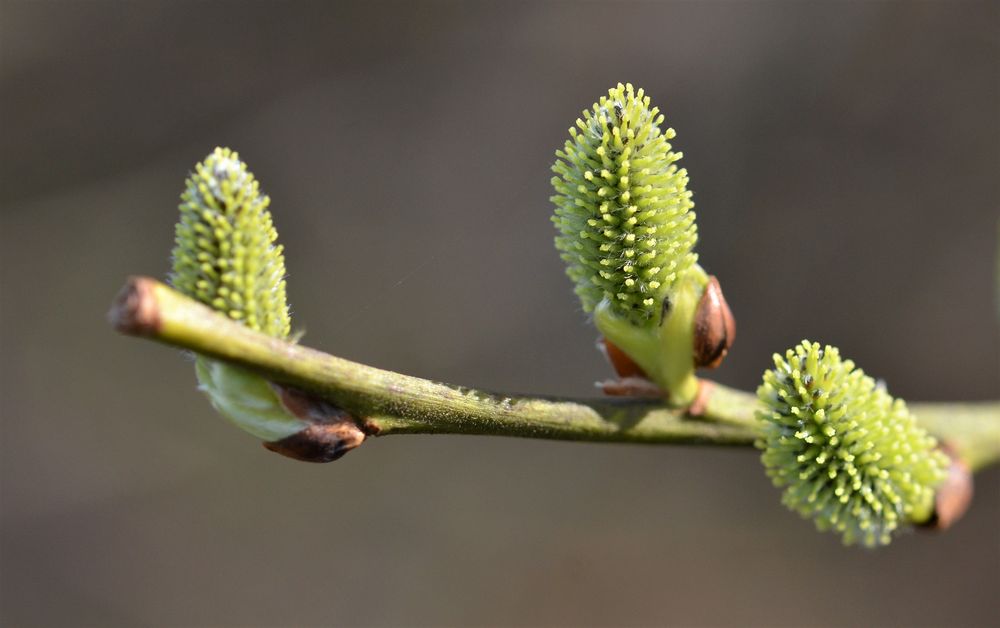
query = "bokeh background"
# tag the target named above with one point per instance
(844, 159)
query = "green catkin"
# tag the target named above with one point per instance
(623, 210)
(226, 255)
(848, 455)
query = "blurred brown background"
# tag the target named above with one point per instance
(844, 159)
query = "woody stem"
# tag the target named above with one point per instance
(392, 403)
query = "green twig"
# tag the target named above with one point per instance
(391, 403)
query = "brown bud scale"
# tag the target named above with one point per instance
(953, 497)
(714, 327)
(331, 433)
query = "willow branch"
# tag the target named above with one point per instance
(392, 403)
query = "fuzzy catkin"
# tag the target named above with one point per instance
(623, 210)
(226, 255)
(848, 455)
